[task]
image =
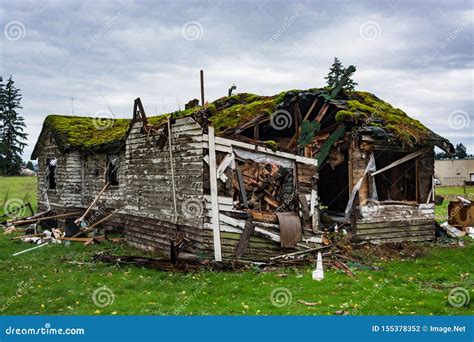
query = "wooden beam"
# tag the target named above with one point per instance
(402, 160)
(202, 87)
(249, 229)
(223, 142)
(214, 195)
(243, 193)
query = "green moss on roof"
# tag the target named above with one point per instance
(363, 107)
(77, 131)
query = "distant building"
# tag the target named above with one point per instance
(27, 172)
(454, 172)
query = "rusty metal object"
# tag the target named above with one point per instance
(290, 229)
(461, 215)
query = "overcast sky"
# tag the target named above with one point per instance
(416, 55)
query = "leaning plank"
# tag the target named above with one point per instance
(92, 204)
(244, 239)
(214, 195)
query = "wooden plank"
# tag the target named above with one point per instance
(256, 148)
(249, 229)
(393, 224)
(228, 159)
(214, 195)
(305, 212)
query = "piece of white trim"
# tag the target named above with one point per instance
(227, 145)
(214, 196)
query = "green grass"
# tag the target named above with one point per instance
(60, 280)
(57, 286)
(17, 190)
(449, 194)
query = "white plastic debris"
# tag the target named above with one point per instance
(318, 273)
(470, 232)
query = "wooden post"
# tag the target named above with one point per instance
(173, 186)
(214, 196)
(202, 87)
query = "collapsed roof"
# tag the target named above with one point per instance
(359, 112)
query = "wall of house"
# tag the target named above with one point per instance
(149, 212)
(394, 221)
(79, 178)
(68, 177)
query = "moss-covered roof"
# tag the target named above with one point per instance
(363, 108)
(231, 112)
(79, 132)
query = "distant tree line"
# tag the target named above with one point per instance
(460, 152)
(12, 126)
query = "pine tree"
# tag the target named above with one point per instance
(30, 165)
(350, 84)
(335, 74)
(12, 126)
(461, 151)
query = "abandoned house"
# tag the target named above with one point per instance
(246, 176)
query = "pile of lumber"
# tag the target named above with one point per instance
(264, 185)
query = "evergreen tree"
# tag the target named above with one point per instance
(30, 165)
(12, 125)
(335, 74)
(461, 151)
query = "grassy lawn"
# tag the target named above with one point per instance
(17, 190)
(60, 280)
(54, 282)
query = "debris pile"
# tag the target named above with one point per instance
(267, 185)
(460, 219)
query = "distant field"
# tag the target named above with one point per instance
(17, 190)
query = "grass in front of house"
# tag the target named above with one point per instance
(55, 280)
(449, 194)
(16, 191)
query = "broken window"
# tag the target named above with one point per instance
(51, 172)
(112, 170)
